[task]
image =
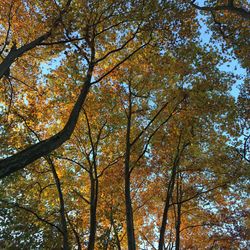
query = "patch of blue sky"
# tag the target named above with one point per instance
(54, 63)
(232, 65)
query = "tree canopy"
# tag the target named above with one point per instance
(121, 126)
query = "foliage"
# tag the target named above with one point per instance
(119, 129)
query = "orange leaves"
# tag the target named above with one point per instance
(159, 81)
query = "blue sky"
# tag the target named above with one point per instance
(232, 66)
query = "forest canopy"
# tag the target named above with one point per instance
(124, 124)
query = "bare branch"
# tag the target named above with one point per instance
(82, 197)
(121, 62)
(73, 161)
(17, 52)
(14, 204)
(121, 47)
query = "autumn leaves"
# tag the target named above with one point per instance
(127, 143)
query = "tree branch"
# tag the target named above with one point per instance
(17, 52)
(229, 7)
(23, 158)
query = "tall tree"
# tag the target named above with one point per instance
(121, 119)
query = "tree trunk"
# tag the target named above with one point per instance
(170, 191)
(93, 208)
(129, 214)
(62, 207)
(166, 208)
(178, 225)
(128, 202)
(179, 203)
(23, 158)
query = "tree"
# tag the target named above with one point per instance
(120, 120)
(94, 35)
(229, 20)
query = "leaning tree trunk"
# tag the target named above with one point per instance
(43, 148)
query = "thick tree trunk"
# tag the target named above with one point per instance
(43, 148)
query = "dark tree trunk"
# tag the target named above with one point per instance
(129, 214)
(128, 202)
(170, 191)
(43, 148)
(166, 209)
(94, 184)
(66, 245)
(179, 203)
(93, 208)
(18, 52)
(178, 225)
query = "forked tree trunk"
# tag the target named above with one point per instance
(166, 209)
(170, 191)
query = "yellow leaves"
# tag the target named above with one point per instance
(164, 71)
